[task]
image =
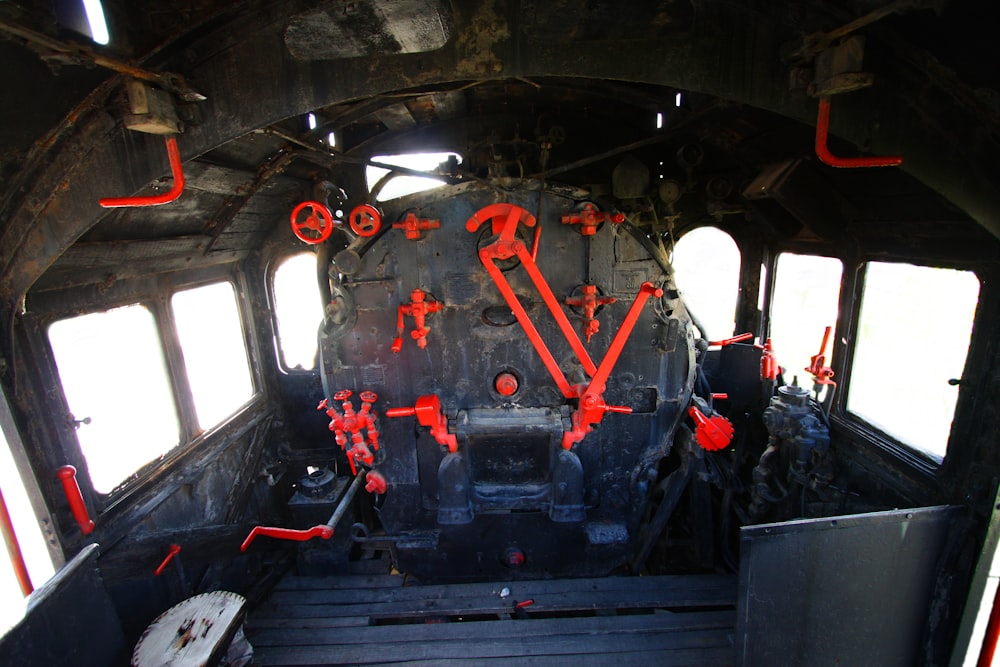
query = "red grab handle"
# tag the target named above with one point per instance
(67, 475)
(176, 170)
(326, 532)
(173, 551)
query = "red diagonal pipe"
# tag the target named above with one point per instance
(176, 170)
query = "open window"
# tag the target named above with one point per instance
(401, 185)
(913, 337)
(297, 311)
(210, 331)
(805, 301)
(114, 377)
(707, 264)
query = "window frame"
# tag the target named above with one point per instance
(155, 293)
(856, 424)
(279, 357)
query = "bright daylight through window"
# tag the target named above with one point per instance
(400, 186)
(298, 311)
(215, 354)
(115, 382)
(912, 316)
(805, 302)
(707, 263)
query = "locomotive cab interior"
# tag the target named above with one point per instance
(679, 313)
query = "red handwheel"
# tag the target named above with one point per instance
(366, 220)
(316, 227)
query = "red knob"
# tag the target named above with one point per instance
(506, 384)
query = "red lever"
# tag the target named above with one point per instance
(712, 433)
(828, 158)
(589, 217)
(429, 413)
(174, 550)
(67, 475)
(769, 369)
(323, 531)
(176, 170)
(821, 373)
(729, 341)
(319, 222)
(412, 226)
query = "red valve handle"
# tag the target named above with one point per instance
(67, 475)
(712, 433)
(318, 224)
(365, 220)
(376, 483)
(174, 550)
(323, 531)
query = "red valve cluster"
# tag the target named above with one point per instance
(412, 226)
(589, 217)
(418, 308)
(711, 433)
(590, 302)
(361, 427)
(429, 413)
(592, 410)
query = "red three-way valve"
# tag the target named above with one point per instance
(418, 308)
(712, 433)
(589, 217)
(590, 302)
(412, 226)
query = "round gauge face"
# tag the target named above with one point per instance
(670, 191)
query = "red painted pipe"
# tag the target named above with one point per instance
(176, 170)
(67, 475)
(828, 158)
(14, 549)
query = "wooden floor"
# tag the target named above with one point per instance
(382, 619)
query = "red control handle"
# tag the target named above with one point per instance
(174, 550)
(323, 531)
(712, 433)
(729, 341)
(67, 475)
(317, 225)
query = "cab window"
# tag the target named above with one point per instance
(215, 355)
(297, 311)
(804, 302)
(913, 337)
(114, 377)
(707, 266)
(402, 185)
